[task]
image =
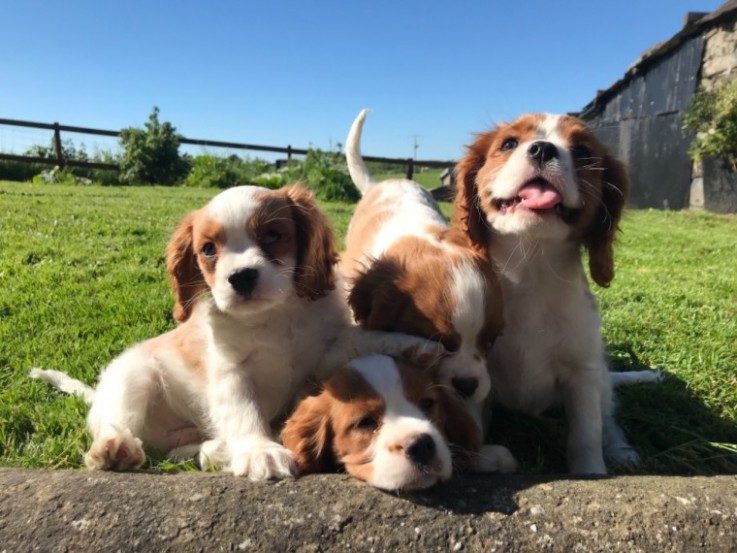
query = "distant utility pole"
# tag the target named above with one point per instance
(416, 145)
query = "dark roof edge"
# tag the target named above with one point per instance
(654, 54)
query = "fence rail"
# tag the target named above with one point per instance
(59, 159)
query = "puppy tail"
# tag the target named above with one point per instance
(356, 167)
(634, 377)
(65, 383)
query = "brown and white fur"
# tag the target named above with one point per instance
(391, 424)
(408, 272)
(534, 194)
(253, 273)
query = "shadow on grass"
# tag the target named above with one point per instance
(672, 429)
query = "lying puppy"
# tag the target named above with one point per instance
(253, 273)
(408, 272)
(534, 194)
(388, 423)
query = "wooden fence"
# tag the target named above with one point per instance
(59, 159)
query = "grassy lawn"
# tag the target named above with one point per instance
(429, 178)
(82, 277)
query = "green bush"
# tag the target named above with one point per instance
(219, 172)
(151, 156)
(326, 173)
(713, 117)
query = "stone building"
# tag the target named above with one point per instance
(640, 117)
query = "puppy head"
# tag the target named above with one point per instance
(251, 248)
(385, 422)
(543, 177)
(451, 298)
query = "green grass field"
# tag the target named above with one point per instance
(82, 277)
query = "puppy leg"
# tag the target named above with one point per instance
(616, 447)
(241, 427)
(582, 402)
(491, 458)
(355, 342)
(117, 416)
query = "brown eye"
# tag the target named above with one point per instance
(270, 237)
(426, 404)
(509, 144)
(209, 250)
(369, 422)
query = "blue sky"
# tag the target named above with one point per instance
(297, 72)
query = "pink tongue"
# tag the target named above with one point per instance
(536, 195)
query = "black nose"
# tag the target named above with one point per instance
(244, 281)
(465, 386)
(542, 152)
(421, 450)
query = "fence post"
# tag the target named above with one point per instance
(57, 146)
(410, 168)
(289, 154)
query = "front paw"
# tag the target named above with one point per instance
(262, 460)
(115, 450)
(495, 458)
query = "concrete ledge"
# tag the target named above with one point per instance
(84, 511)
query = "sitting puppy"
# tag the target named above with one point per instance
(253, 273)
(388, 423)
(534, 194)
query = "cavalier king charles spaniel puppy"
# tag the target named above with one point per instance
(534, 194)
(389, 423)
(408, 272)
(254, 277)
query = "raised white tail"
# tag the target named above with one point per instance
(64, 382)
(356, 167)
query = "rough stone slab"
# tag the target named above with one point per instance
(93, 511)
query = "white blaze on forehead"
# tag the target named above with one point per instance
(549, 128)
(234, 206)
(469, 287)
(382, 373)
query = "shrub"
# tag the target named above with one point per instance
(218, 172)
(151, 156)
(326, 173)
(713, 116)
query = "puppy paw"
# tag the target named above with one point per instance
(495, 458)
(622, 455)
(423, 353)
(262, 460)
(115, 450)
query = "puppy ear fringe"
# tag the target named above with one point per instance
(601, 236)
(317, 253)
(185, 277)
(307, 435)
(468, 215)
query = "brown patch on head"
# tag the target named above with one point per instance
(272, 226)
(406, 290)
(337, 427)
(316, 251)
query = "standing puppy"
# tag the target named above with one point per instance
(253, 273)
(534, 194)
(408, 272)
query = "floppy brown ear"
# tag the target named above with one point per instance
(461, 431)
(604, 228)
(374, 298)
(468, 215)
(185, 276)
(308, 435)
(316, 251)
